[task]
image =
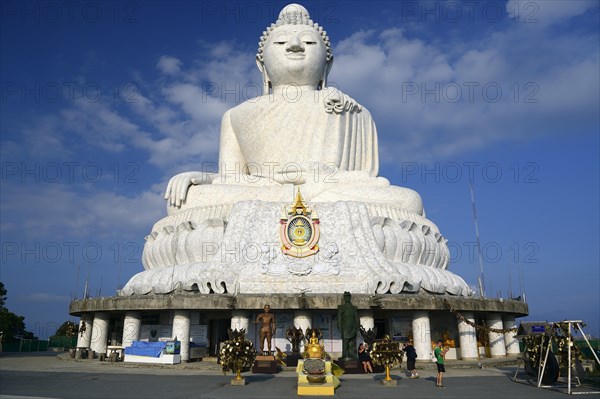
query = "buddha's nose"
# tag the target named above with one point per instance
(295, 44)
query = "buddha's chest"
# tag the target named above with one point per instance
(279, 131)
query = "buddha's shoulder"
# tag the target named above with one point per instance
(331, 101)
(249, 107)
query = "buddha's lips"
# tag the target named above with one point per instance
(295, 56)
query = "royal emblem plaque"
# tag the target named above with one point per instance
(299, 229)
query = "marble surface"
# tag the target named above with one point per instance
(358, 253)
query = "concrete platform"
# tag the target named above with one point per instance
(194, 301)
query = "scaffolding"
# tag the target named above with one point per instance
(545, 348)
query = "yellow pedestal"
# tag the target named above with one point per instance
(325, 389)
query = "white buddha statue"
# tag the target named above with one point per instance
(224, 230)
(298, 133)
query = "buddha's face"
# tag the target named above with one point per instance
(295, 55)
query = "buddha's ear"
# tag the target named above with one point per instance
(263, 71)
(327, 69)
(329, 65)
(260, 64)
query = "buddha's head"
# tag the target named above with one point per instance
(294, 51)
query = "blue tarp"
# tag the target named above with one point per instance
(140, 348)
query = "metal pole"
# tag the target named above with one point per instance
(540, 361)
(588, 342)
(481, 278)
(569, 361)
(522, 361)
(544, 366)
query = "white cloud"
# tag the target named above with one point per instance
(547, 12)
(169, 65)
(196, 103)
(71, 210)
(432, 101)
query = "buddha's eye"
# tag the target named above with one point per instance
(310, 42)
(279, 42)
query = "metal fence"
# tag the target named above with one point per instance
(60, 341)
(25, 345)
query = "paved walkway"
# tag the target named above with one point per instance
(47, 376)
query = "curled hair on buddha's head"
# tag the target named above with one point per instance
(294, 14)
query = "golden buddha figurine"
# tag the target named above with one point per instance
(448, 343)
(314, 350)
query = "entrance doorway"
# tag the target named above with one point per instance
(382, 328)
(218, 334)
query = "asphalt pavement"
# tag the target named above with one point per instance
(47, 376)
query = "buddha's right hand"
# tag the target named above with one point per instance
(178, 185)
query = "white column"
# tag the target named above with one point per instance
(181, 330)
(422, 335)
(302, 320)
(512, 344)
(100, 333)
(497, 348)
(131, 328)
(85, 339)
(468, 338)
(239, 320)
(366, 319)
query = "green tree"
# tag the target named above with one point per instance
(2, 295)
(11, 325)
(66, 328)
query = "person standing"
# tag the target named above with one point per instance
(439, 354)
(411, 359)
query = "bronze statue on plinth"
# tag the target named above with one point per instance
(347, 324)
(267, 328)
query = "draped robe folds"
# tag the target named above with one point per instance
(297, 129)
(274, 133)
(363, 213)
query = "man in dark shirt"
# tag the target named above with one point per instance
(411, 358)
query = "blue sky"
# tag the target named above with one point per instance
(101, 103)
